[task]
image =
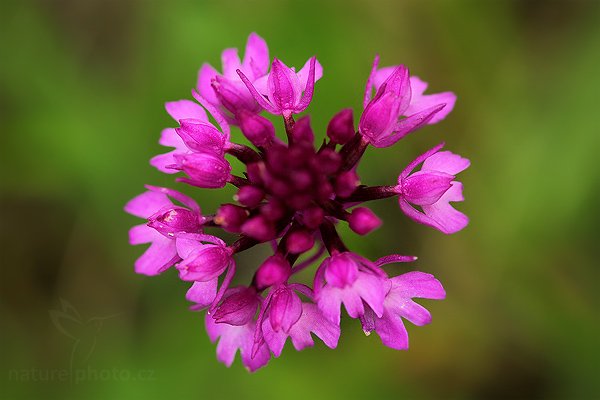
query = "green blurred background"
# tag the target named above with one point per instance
(82, 87)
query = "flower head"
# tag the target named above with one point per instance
(290, 197)
(286, 92)
(381, 123)
(398, 304)
(178, 110)
(433, 188)
(351, 280)
(226, 91)
(165, 219)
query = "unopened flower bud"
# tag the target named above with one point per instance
(175, 219)
(273, 271)
(259, 130)
(205, 170)
(362, 220)
(231, 217)
(299, 241)
(249, 196)
(302, 130)
(238, 308)
(341, 127)
(346, 183)
(259, 228)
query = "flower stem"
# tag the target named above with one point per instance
(367, 193)
(331, 239)
(352, 151)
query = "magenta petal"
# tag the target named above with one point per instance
(341, 270)
(146, 204)
(239, 306)
(392, 332)
(445, 161)
(168, 138)
(204, 264)
(201, 137)
(443, 216)
(231, 338)
(371, 289)
(284, 87)
(329, 300)
(204, 169)
(309, 88)
(158, 257)
(408, 125)
(417, 86)
(275, 340)
(260, 99)
(304, 73)
(415, 313)
(312, 320)
(393, 258)
(162, 162)
(185, 247)
(420, 101)
(261, 85)
(379, 119)
(174, 194)
(416, 215)
(352, 302)
(254, 359)
(183, 109)
(231, 62)
(205, 77)
(426, 187)
(419, 284)
(202, 293)
(286, 309)
(401, 305)
(418, 161)
(398, 83)
(371, 82)
(141, 234)
(256, 56)
(381, 75)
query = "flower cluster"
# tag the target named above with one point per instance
(291, 197)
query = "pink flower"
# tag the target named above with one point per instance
(418, 100)
(226, 91)
(363, 221)
(433, 188)
(351, 280)
(204, 170)
(178, 110)
(202, 262)
(398, 304)
(285, 308)
(234, 337)
(291, 197)
(285, 92)
(202, 137)
(238, 307)
(165, 220)
(381, 123)
(310, 320)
